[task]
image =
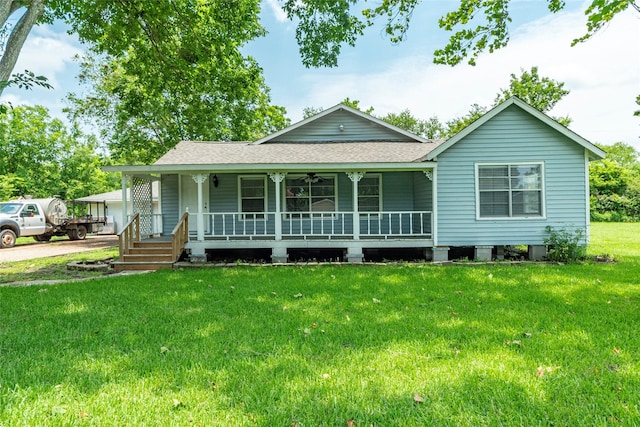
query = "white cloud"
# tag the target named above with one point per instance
(603, 75)
(278, 13)
(48, 53)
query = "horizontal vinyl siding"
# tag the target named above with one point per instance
(170, 203)
(327, 129)
(511, 137)
(397, 191)
(224, 197)
(423, 192)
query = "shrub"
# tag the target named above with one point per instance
(565, 245)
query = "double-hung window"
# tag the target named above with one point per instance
(253, 200)
(310, 193)
(369, 193)
(510, 190)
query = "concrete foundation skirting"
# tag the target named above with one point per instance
(440, 253)
(482, 253)
(355, 255)
(198, 258)
(279, 255)
(537, 252)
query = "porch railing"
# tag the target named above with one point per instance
(230, 225)
(180, 236)
(129, 235)
(317, 224)
(395, 224)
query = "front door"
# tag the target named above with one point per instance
(189, 201)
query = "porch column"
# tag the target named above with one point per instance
(277, 178)
(200, 179)
(124, 202)
(355, 177)
(432, 175)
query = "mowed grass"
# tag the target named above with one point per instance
(52, 268)
(397, 345)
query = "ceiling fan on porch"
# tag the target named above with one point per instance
(312, 178)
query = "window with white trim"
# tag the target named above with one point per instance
(510, 190)
(253, 198)
(369, 193)
(310, 193)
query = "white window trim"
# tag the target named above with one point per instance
(543, 196)
(379, 177)
(246, 215)
(283, 190)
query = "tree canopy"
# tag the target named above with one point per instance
(40, 156)
(161, 71)
(615, 184)
(143, 113)
(324, 26)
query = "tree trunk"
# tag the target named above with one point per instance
(6, 9)
(18, 35)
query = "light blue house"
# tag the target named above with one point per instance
(346, 181)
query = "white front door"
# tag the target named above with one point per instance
(189, 200)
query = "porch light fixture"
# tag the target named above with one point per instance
(214, 180)
(341, 128)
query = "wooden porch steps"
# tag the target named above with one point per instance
(146, 255)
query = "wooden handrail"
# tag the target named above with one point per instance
(180, 236)
(129, 234)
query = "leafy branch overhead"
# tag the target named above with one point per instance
(26, 81)
(324, 26)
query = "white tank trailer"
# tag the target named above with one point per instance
(54, 210)
(45, 218)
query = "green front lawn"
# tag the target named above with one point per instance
(405, 345)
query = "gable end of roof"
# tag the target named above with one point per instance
(595, 152)
(341, 107)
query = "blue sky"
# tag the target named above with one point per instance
(602, 74)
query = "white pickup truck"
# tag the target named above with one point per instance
(43, 219)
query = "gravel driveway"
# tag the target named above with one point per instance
(33, 250)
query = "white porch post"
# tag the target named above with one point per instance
(200, 179)
(434, 210)
(355, 177)
(439, 253)
(354, 250)
(125, 219)
(277, 178)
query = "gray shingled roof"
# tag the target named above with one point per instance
(220, 153)
(116, 195)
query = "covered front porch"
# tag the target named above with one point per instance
(325, 209)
